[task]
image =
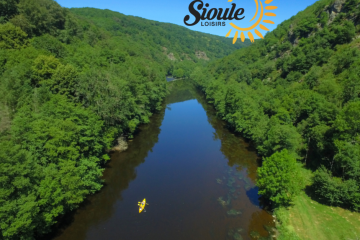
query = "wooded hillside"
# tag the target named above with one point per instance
(295, 94)
(71, 82)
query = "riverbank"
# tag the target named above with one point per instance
(308, 220)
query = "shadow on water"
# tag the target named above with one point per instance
(199, 179)
(119, 172)
(253, 196)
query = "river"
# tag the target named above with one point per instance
(198, 178)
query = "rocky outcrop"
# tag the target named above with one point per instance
(121, 146)
(338, 5)
(186, 56)
(171, 56)
(201, 55)
(292, 37)
(334, 10)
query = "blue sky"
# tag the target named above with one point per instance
(174, 11)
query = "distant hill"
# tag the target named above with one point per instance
(169, 43)
(180, 41)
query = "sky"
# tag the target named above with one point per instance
(174, 11)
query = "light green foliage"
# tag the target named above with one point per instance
(63, 81)
(48, 167)
(43, 68)
(279, 178)
(179, 73)
(12, 37)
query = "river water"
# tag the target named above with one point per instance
(198, 178)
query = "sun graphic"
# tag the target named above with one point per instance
(257, 23)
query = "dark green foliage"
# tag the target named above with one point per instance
(294, 76)
(336, 191)
(8, 8)
(350, 5)
(50, 44)
(328, 187)
(344, 33)
(352, 84)
(324, 18)
(312, 77)
(298, 89)
(347, 123)
(39, 17)
(280, 135)
(305, 26)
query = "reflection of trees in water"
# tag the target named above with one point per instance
(235, 148)
(240, 153)
(263, 223)
(180, 91)
(119, 172)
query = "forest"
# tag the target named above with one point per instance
(295, 95)
(72, 82)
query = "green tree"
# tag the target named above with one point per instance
(280, 136)
(305, 26)
(279, 178)
(43, 68)
(39, 17)
(347, 123)
(8, 8)
(49, 165)
(344, 33)
(179, 73)
(12, 37)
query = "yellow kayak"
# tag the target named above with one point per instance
(142, 205)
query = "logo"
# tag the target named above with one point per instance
(231, 14)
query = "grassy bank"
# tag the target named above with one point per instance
(308, 219)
